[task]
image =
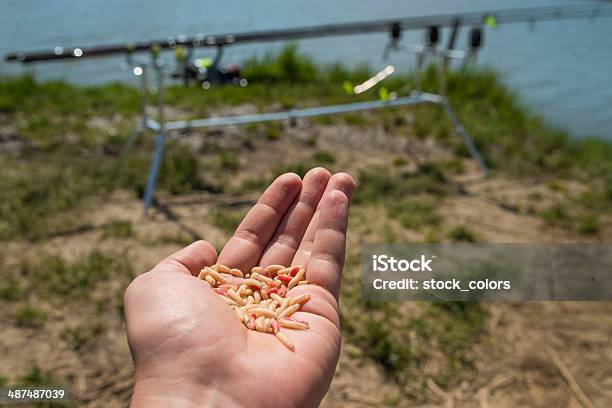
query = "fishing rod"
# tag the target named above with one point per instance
(489, 18)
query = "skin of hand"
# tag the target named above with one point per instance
(189, 348)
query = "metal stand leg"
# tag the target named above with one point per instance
(154, 170)
(161, 138)
(463, 134)
(134, 136)
(457, 125)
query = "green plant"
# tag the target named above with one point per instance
(225, 219)
(378, 184)
(11, 290)
(462, 233)
(272, 131)
(36, 376)
(229, 161)
(323, 157)
(555, 215)
(312, 140)
(439, 335)
(535, 196)
(557, 185)
(180, 171)
(455, 166)
(400, 161)
(298, 168)
(79, 336)
(287, 65)
(118, 229)
(177, 238)
(52, 276)
(378, 343)
(589, 224)
(354, 119)
(31, 317)
(461, 323)
(253, 184)
(414, 214)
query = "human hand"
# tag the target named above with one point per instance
(189, 348)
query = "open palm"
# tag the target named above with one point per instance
(190, 349)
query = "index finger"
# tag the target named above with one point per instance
(244, 249)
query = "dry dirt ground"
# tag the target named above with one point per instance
(533, 354)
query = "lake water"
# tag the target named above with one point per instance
(561, 69)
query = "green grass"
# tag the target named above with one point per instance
(320, 158)
(324, 157)
(252, 183)
(119, 229)
(290, 66)
(29, 194)
(299, 168)
(273, 131)
(414, 214)
(35, 376)
(181, 171)
(400, 161)
(514, 139)
(379, 344)
(226, 219)
(176, 238)
(403, 344)
(80, 336)
(10, 289)
(462, 233)
(454, 166)
(30, 317)
(581, 214)
(36, 190)
(355, 119)
(229, 161)
(556, 214)
(598, 198)
(458, 326)
(411, 198)
(589, 224)
(381, 184)
(25, 94)
(53, 277)
(405, 339)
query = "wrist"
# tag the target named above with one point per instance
(153, 392)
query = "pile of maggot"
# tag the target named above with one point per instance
(260, 299)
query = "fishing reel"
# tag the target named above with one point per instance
(432, 37)
(206, 71)
(476, 41)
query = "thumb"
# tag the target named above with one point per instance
(190, 259)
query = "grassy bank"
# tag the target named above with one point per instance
(70, 137)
